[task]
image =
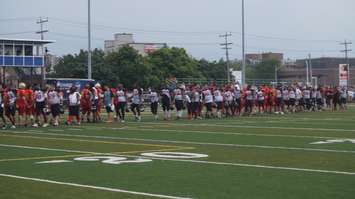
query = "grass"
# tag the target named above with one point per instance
(252, 157)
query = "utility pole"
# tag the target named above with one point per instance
(89, 40)
(243, 44)
(41, 21)
(226, 47)
(310, 68)
(346, 51)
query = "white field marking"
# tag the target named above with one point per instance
(45, 148)
(253, 127)
(223, 133)
(259, 166)
(228, 133)
(53, 162)
(219, 163)
(93, 187)
(73, 129)
(195, 143)
(56, 130)
(175, 155)
(335, 141)
(80, 140)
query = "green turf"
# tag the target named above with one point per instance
(273, 140)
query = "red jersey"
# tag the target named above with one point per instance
(21, 96)
(29, 96)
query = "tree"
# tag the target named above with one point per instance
(75, 66)
(172, 62)
(127, 67)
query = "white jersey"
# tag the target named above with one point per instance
(121, 96)
(178, 94)
(298, 94)
(154, 97)
(74, 99)
(53, 97)
(237, 94)
(208, 96)
(292, 94)
(278, 93)
(313, 94)
(12, 98)
(196, 97)
(228, 96)
(260, 95)
(136, 98)
(285, 95)
(218, 96)
(166, 93)
(40, 96)
(307, 94)
(343, 94)
(249, 95)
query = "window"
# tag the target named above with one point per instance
(28, 51)
(9, 50)
(1, 49)
(18, 50)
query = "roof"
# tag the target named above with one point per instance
(26, 41)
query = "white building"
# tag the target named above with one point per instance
(122, 39)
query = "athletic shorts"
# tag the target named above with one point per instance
(260, 102)
(40, 107)
(179, 105)
(108, 109)
(55, 110)
(219, 105)
(279, 101)
(74, 110)
(209, 107)
(10, 110)
(292, 102)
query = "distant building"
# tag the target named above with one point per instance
(325, 70)
(255, 58)
(122, 39)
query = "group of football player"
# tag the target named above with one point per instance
(33, 106)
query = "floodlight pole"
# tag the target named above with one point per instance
(89, 40)
(243, 44)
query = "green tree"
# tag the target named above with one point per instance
(127, 67)
(172, 62)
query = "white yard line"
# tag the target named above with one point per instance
(192, 142)
(207, 162)
(43, 148)
(251, 127)
(92, 187)
(229, 133)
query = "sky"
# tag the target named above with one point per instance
(293, 27)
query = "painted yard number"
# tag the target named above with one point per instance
(335, 141)
(123, 160)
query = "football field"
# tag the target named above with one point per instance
(305, 155)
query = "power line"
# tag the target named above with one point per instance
(17, 19)
(18, 33)
(225, 46)
(255, 36)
